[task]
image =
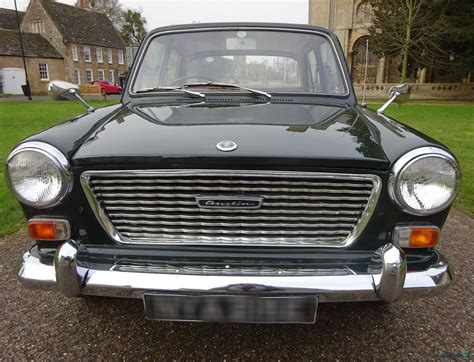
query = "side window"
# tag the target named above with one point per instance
(172, 68)
(314, 72)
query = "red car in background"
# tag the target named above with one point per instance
(110, 87)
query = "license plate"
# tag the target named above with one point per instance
(231, 308)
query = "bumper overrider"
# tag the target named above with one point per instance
(386, 279)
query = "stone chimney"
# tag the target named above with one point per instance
(86, 4)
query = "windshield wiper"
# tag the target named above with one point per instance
(169, 89)
(228, 85)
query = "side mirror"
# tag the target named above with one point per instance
(61, 90)
(403, 91)
(399, 93)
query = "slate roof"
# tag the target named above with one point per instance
(35, 45)
(8, 19)
(83, 26)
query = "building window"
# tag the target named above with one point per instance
(100, 74)
(87, 54)
(89, 75)
(100, 57)
(37, 26)
(75, 56)
(364, 14)
(111, 75)
(43, 70)
(110, 56)
(77, 76)
(120, 57)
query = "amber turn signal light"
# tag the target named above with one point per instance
(49, 229)
(416, 236)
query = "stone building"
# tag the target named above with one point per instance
(350, 20)
(89, 46)
(43, 62)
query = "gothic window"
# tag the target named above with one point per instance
(359, 51)
(358, 62)
(364, 14)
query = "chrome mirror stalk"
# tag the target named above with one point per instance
(399, 93)
(61, 90)
(84, 103)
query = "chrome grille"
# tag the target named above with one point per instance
(299, 209)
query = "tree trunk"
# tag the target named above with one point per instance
(403, 76)
(406, 46)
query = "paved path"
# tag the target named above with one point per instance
(46, 97)
(44, 325)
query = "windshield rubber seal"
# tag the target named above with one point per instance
(144, 47)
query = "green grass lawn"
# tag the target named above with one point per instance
(452, 124)
(18, 120)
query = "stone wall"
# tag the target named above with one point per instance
(421, 92)
(38, 86)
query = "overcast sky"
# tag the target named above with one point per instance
(166, 12)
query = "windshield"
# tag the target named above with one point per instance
(273, 61)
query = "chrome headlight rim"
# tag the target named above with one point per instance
(57, 157)
(406, 161)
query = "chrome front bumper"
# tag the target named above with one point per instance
(387, 280)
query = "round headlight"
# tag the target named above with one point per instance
(38, 174)
(424, 181)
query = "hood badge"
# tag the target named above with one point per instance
(229, 202)
(226, 146)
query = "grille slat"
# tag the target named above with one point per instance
(265, 196)
(232, 224)
(320, 211)
(269, 204)
(234, 231)
(294, 183)
(139, 216)
(241, 240)
(298, 209)
(234, 189)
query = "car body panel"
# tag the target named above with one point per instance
(278, 134)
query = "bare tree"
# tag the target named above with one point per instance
(410, 28)
(111, 8)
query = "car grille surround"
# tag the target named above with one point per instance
(298, 209)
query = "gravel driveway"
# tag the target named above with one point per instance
(44, 325)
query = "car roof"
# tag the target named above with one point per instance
(236, 25)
